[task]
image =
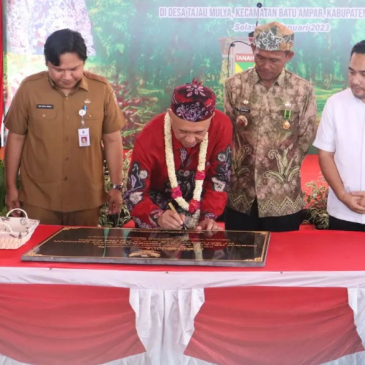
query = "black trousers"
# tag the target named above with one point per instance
(341, 225)
(237, 221)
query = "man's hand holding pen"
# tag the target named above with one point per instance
(171, 219)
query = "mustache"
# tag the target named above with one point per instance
(357, 86)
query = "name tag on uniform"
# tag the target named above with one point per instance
(84, 137)
(44, 106)
(243, 110)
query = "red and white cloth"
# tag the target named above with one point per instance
(307, 306)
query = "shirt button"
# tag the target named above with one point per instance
(66, 178)
(43, 115)
(66, 98)
(67, 117)
(67, 138)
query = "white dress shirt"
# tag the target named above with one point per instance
(342, 131)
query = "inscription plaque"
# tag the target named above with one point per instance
(153, 247)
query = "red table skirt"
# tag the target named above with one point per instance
(273, 325)
(66, 324)
(85, 325)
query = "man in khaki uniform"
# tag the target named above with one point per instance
(273, 112)
(57, 123)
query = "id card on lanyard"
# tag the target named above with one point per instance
(84, 133)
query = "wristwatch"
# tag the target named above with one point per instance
(117, 186)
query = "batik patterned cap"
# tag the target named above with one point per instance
(273, 37)
(193, 102)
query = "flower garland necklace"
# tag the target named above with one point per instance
(176, 193)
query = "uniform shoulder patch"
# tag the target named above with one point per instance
(92, 76)
(37, 76)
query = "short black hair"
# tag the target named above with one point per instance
(64, 41)
(358, 48)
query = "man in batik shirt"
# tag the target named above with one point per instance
(273, 113)
(182, 157)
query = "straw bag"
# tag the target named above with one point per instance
(16, 231)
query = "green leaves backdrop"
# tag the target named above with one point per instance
(146, 56)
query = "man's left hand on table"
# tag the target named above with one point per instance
(208, 225)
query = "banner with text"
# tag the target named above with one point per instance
(147, 47)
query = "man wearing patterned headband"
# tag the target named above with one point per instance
(273, 113)
(182, 157)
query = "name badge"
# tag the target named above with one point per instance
(44, 106)
(84, 137)
(243, 110)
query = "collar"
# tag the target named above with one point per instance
(281, 78)
(255, 78)
(51, 82)
(83, 84)
(352, 97)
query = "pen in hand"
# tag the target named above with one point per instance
(174, 210)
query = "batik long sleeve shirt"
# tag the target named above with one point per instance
(266, 156)
(149, 190)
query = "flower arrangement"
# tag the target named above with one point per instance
(315, 198)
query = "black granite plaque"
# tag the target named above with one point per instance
(153, 247)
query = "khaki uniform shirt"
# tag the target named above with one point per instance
(267, 157)
(56, 174)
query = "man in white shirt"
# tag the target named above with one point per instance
(341, 142)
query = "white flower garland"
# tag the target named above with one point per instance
(171, 164)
